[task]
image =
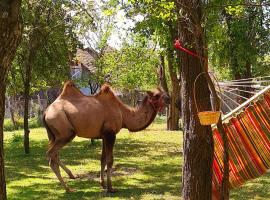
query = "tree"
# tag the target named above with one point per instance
(10, 32)
(43, 55)
(133, 67)
(159, 25)
(94, 25)
(198, 140)
(238, 37)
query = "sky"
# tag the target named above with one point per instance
(120, 32)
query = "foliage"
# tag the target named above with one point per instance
(132, 67)
(48, 39)
(94, 22)
(158, 23)
(238, 37)
(33, 123)
(157, 15)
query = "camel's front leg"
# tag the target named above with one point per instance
(103, 164)
(109, 140)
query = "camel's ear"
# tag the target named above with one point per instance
(160, 88)
(105, 88)
(150, 93)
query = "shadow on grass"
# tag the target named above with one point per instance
(255, 189)
(29, 177)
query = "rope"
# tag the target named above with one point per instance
(237, 95)
(230, 98)
(250, 78)
(226, 104)
(178, 45)
(253, 81)
(245, 91)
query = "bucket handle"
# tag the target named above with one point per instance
(194, 91)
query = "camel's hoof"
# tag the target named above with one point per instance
(73, 177)
(111, 191)
(70, 190)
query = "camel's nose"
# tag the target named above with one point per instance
(166, 99)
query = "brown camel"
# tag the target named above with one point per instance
(100, 116)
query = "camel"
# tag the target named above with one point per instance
(100, 116)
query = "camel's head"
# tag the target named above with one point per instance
(158, 98)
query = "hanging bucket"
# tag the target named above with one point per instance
(209, 117)
(205, 117)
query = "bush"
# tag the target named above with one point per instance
(160, 119)
(8, 125)
(16, 138)
(34, 122)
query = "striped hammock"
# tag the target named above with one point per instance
(249, 145)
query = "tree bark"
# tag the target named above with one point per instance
(28, 65)
(164, 85)
(198, 140)
(162, 75)
(10, 34)
(175, 94)
(224, 190)
(27, 77)
(2, 114)
(25, 117)
(11, 110)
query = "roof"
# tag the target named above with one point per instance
(86, 59)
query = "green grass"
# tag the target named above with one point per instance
(147, 165)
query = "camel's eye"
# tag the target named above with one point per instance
(157, 96)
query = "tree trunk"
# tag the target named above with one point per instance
(10, 34)
(27, 80)
(11, 110)
(162, 75)
(25, 117)
(2, 114)
(173, 107)
(28, 66)
(247, 74)
(164, 85)
(198, 140)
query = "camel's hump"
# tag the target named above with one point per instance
(105, 88)
(70, 90)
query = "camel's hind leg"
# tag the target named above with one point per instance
(53, 155)
(109, 140)
(103, 164)
(64, 167)
(55, 168)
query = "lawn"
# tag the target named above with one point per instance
(147, 165)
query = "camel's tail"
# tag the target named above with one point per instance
(50, 133)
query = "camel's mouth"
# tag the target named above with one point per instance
(166, 99)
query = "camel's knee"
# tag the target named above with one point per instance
(103, 158)
(53, 164)
(109, 162)
(50, 154)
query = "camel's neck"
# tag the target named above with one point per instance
(136, 119)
